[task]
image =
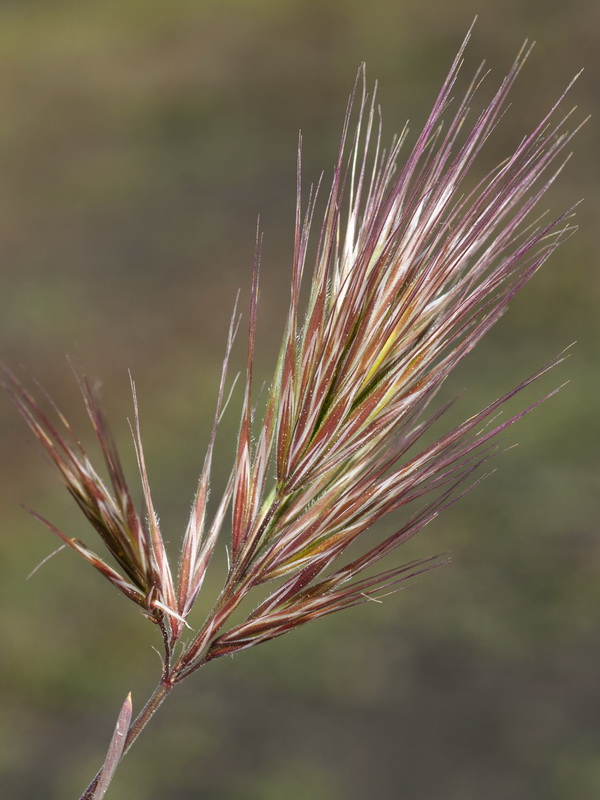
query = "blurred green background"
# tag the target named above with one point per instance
(139, 139)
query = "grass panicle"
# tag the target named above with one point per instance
(411, 266)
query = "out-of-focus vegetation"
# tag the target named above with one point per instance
(138, 142)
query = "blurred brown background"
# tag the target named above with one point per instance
(139, 139)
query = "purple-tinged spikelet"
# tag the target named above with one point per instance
(411, 270)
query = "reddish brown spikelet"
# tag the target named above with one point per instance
(405, 283)
(137, 548)
(410, 271)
